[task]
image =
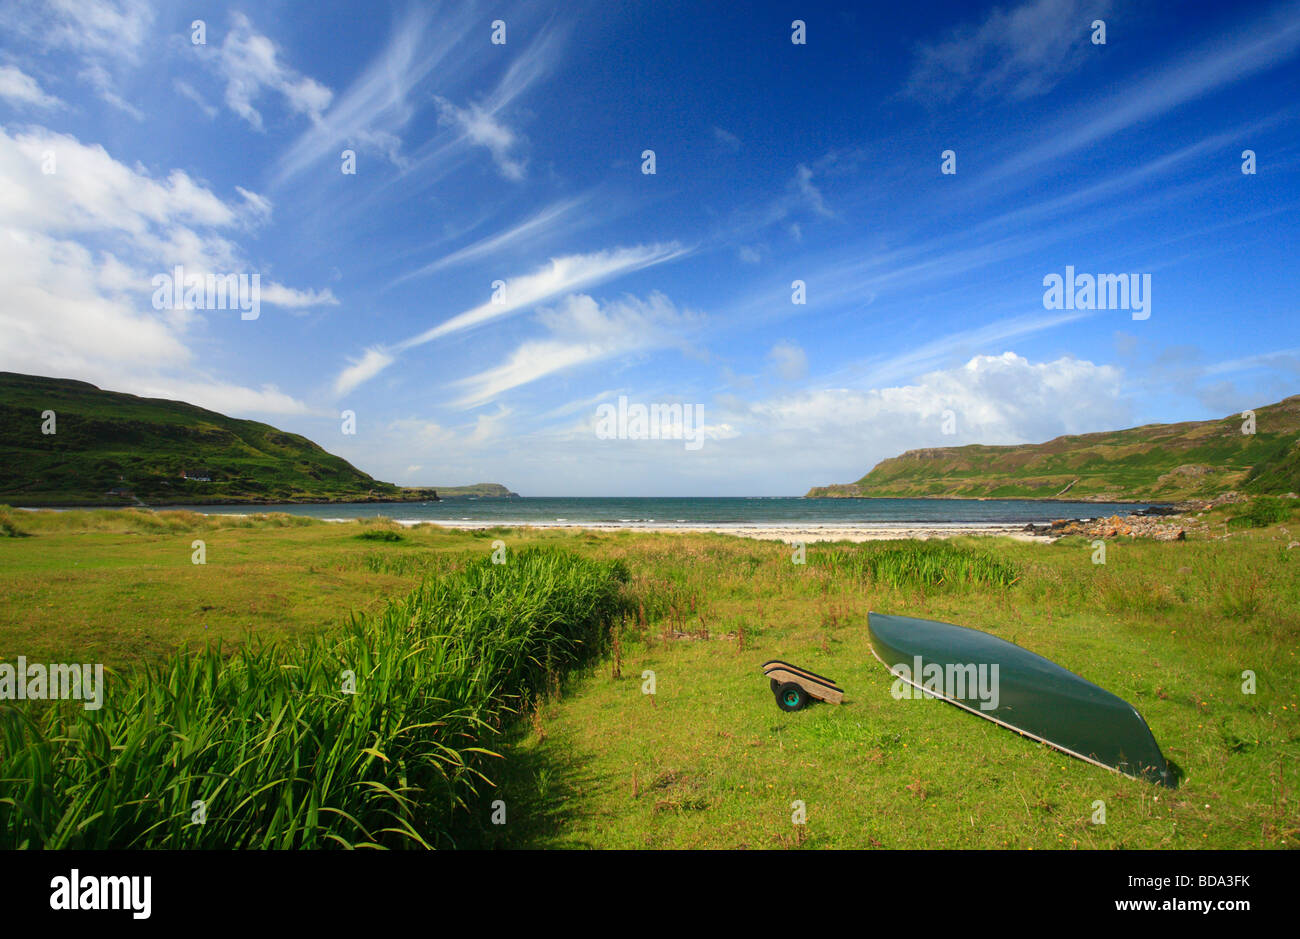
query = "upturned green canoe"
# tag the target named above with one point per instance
(1024, 692)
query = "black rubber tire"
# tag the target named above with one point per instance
(775, 685)
(790, 696)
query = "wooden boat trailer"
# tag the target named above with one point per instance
(794, 686)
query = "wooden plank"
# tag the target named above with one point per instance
(804, 676)
(816, 689)
(813, 675)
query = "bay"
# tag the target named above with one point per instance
(686, 512)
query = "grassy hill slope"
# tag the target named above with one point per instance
(1194, 459)
(480, 490)
(107, 441)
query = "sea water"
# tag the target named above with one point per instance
(713, 512)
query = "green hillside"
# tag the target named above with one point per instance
(118, 448)
(478, 490)
(1157, 462)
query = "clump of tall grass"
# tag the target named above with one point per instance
(399, 565)
(371, 737)
(1241, 598)
(151, 522)
(9, 527)
(1262, 512)
(496, 531)
(380, 534)
(923, 564)
(1134, 593)
(282, 520)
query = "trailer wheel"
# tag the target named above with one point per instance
(775, 685)
(790, 696)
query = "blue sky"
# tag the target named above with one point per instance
(774, 162)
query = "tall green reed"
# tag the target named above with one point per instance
(925, 564)
(371, 737)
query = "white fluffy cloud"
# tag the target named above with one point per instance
(17, 87)
(64, 312)
(86, 190)
(789, 360)
(996, 398)
(293, 299)
(223, 397)
(82, 235)
(782, 445)
(837, 434)
(251, 66)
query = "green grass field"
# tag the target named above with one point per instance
(708, 760)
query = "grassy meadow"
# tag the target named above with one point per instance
(540, 662)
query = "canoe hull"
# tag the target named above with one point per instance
(1022, 691)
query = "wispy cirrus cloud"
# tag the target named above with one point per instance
(1017, 53)
(482, 128)
(561, 275)
(373, 110)
(106, 37)
(482, 124)
(186, 90)
(727, 139)
(1265, 43)
(812, 196)
(363, 368)
(109, 27)
(540, 223)
(105, 85)
(940, 352)
(582, 331)
(801, 200)
(1280, 359)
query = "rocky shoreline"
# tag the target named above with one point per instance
(1166, 529)
(1159, 522)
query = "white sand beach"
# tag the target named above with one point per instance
(787, 532)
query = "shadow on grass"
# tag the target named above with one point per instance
(544, 787)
